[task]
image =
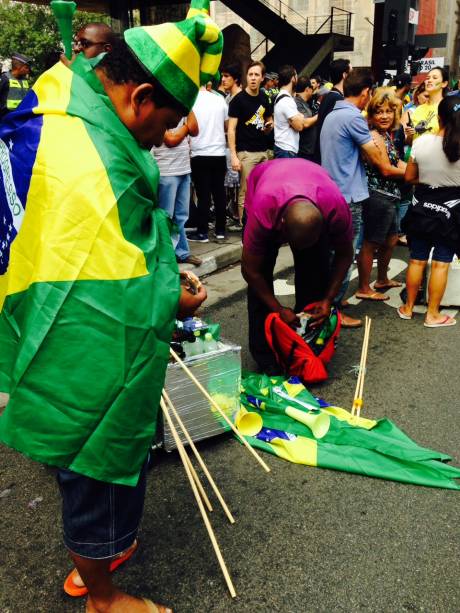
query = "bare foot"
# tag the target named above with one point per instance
(124, 603)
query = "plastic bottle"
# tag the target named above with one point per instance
(210, 343)
(199, 342)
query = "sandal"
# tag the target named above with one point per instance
(403, 315)
(81, 590)
(444, 323)
(388, 285)
(375, 296)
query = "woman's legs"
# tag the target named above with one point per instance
(414, 278)
(436, 288)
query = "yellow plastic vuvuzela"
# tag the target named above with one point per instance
(63, 12)
(318, 423)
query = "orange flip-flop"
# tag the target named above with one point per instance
(76, 590)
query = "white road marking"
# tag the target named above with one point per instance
(282, 288)
(397, 266)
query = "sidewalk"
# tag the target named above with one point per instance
(215, 255)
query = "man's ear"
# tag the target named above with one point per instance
(139, 95)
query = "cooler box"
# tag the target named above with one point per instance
(452, 294)
(219, 372)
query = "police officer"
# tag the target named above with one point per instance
(14, 84)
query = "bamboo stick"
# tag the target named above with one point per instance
(358, 398)
(199, 502)
(199, 485)
(199, 458)
(220, 411)
(361, 391)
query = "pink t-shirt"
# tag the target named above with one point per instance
(274, 184)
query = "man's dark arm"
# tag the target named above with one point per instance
(251, 269)
(343, 258)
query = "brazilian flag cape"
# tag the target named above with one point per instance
(356, 445)
(89, 284)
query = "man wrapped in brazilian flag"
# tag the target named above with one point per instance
(89, 285)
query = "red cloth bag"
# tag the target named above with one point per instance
(295, 355)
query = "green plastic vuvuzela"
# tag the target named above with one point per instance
(63, 12)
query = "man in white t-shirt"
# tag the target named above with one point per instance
(209, 163)
(288, 120)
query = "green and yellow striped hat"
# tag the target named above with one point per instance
(182, 55)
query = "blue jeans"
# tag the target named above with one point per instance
(357, 222)
(282, 153)
(174, 198)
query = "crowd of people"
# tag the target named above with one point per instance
(339, 170)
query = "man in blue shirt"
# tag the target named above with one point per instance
(344, 137)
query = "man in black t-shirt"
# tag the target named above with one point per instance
(250, 121)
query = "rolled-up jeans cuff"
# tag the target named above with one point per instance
(100, 551)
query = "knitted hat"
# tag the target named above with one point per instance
(182, 55)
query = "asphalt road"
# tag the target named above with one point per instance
(306, 539)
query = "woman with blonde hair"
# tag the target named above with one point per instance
(380, 229)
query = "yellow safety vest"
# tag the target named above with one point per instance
(17, 92)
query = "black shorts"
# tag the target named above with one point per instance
(379, 218)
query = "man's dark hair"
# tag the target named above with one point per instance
(357, 80)
(256, 63)
(337, 68)
(285, 74)
(122, 66)
(234, 70)
(110, 36)
(302, 85)
(318, 78)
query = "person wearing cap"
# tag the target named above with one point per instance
(94, 38)
(14, 85)
(89, 284)
(270, 86)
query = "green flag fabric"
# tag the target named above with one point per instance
(89, 284)
(375, 448)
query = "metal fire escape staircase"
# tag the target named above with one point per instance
(292, 38)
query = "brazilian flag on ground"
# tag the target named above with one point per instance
(89, 284)
(355, 445)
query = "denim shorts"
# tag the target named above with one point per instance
(420, 250)
(100, 519)
(380, 218)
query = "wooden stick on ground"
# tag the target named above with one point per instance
(218, 409)
(199, 458)
(199, 485)
(212, 536)
(361, 391)
(358, 398)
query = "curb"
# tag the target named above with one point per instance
(222, 257)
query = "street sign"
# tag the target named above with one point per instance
(428, 63)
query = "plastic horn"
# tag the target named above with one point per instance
(318, 424)
(63, 12)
